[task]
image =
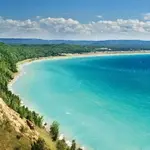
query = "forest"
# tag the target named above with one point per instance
(9, 56)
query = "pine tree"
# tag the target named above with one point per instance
(54, 130)
(73, 146)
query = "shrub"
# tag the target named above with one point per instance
(39, 145)
(61, 145)
(73, 146)
(54, 130)
(23, 129)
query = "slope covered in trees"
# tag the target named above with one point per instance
(113, 44)
(9, 56)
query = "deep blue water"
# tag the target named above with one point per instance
(103, 102)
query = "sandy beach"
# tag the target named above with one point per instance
(23, 63)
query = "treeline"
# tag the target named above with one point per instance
(7, 68)
(9, 56)
(60, 143)
(35, 51)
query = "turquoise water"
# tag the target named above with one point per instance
(102, 102)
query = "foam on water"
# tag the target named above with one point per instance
(103, 102)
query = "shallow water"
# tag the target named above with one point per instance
(103, 102)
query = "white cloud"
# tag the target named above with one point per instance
(61, 28)
(38, 17)
(99, 16)
(147, 16)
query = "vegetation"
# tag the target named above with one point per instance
(46, 137)
(23, 129)
(61, 145)
(54, 130)
(73, 146)
(9, 56)
(39, 145)
(10, 139)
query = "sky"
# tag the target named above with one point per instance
(75, 19)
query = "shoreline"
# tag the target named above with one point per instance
(21, 64)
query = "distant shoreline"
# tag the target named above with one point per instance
(21, 64)
(87, 54)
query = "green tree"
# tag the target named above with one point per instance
(61, 145)
(54, 130)
(39, 145)
(73, 146)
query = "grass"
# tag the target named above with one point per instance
(12, 140)
(45, 135)
(9, 140)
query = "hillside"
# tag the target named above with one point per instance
(16, 134)
(113, 44)
(11, 134)
(20, 126)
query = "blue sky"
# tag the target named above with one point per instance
(82, 12)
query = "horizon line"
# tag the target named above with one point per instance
(73, 39)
